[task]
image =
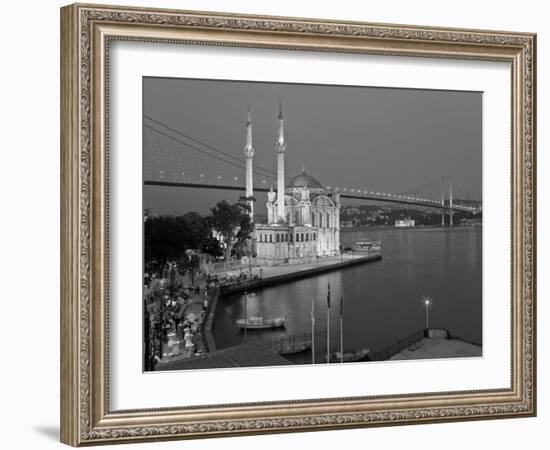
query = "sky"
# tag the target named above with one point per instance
(380, 139)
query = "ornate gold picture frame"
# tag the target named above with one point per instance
(87, 31)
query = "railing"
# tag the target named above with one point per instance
(393, 349)
(297, 348)
(289, 344)
(230, 266)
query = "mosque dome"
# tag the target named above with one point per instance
(304, 180)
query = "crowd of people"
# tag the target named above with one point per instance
(177, 303)
(175, 311)
(233, 278)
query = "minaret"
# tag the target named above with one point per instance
(249, 153)
(281, 147)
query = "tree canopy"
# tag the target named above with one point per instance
(169, 237)
(233, 223)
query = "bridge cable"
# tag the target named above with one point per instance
(266, 172)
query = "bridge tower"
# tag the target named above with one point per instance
(446, 188)
(248, 154)
(281, 147)
(443, 201)
(451, 204)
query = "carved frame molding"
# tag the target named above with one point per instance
(86, 31)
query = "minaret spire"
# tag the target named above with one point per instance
(281, 147)
(281, 137)
(248, 147)
(249, 153)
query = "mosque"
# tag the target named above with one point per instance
(303, 216)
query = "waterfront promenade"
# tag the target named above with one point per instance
(283, 273)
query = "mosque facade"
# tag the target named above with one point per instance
(303, 216)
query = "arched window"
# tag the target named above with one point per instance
(312, 219)
(270, 238)
(302, 237)
(314, 236)
(307, 236)
(328, 220)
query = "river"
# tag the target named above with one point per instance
(382, 300)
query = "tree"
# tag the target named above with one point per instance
(162, 242)
(169, 237)
(246, 227)
(197, 229)
(232, 222)
(211, 246)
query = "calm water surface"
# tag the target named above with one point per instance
(382, 300)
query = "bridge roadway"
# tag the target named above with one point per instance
(378, 198)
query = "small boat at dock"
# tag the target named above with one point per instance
(366, 246)
(259, 323)
(356, 356)
(292, 348)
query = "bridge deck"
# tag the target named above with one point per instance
(378, 198)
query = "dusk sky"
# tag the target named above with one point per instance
(381, 139)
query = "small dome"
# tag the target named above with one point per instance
(304, 180)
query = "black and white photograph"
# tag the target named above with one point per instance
(296, 224)
(268, 225)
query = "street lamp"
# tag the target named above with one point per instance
(427, 301)
(245, 315)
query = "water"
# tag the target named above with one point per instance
(382, 300)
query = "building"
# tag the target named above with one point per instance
(405, 223)
(303, 217)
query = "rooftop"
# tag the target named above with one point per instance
(244, 355)
(303, 179)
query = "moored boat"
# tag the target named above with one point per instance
(358, 355)
(258, 323)
(367, 246)
(291, 348)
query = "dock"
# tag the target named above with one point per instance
(428, 344)
(273, 275)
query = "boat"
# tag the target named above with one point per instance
(366, 246)
(259, 323)
(356, 356)
(291, 348)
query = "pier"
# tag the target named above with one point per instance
(272, 275)
(428, 343)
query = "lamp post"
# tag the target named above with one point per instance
(427, 303)
(328, 324)
(312, 331)
(245, 315)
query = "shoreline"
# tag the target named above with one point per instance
(209, 341)
(416, 227)
(295, 273)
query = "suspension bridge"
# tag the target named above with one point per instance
(177, 159)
